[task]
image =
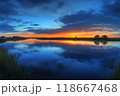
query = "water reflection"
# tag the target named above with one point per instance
(102, 42)
(68, 42)
(62, 59)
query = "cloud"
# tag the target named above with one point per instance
(35, 24)
(83, 21)
(49, 9)
(7, 11)
(27, 22)
(39, 30)
(43, 6)
(60, 4)
(3, 0)
(87, 17)
(33, 3)
(6, 28)
(107, 19)
(7, 8)
(9, 19)
(66, 28)
(112, 8)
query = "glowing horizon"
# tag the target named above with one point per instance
(62, 34)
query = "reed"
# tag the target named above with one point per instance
(9, 67)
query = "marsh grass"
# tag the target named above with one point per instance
(9, 67)
(117, 74)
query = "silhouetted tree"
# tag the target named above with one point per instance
(2, 36)
(97, 36)
(15, 36)
(104, 36)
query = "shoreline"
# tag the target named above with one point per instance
(85, 39)
(2, 40)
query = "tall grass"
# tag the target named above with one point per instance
(116, 75)
(9, 67)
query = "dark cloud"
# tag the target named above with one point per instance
(3, 0)
(105, 20)
(60, 5)
(7, 8)
(112, 8)
(83, 21)
(67, 28)
(47, 9)
(27, 22)
(33, 3)
(35, 24)
(19, 20)
(44, 6)
(9, 19)
(20, 25)
(6, 28)
(7, 11)
(40, 31)
(87, 17)
(75, 27)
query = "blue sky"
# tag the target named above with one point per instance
(57, 16)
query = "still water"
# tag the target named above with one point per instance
(62, 59)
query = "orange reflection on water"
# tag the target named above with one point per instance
(68, 42)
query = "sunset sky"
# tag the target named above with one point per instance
(59, 18)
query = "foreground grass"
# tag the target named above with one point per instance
(9, 68)
(116, 75)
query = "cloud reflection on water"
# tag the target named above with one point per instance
(55, 60)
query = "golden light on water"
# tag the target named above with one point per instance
(68, 42)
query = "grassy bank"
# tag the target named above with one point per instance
(9, 68)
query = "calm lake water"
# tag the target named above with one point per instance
(62, 59)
